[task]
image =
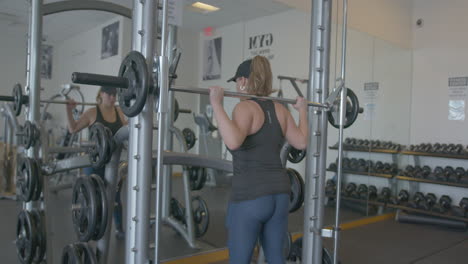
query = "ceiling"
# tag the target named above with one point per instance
(58, 27)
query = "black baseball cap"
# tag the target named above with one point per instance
(109, 90)
(242, 71)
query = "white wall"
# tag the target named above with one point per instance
(385, 19)
(438, 53)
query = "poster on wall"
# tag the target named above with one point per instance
(457, 90)
(212, 59)
(110, 40)
(46, 62)
(371, 95)
(261, 44)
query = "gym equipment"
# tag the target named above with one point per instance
(296, 197)
(417, 198)
(352, 110)
(448, 173)
(461, 211)
(330, 188)
(459, 173)
(19, 99)
(189, 137)
(296, 155)
(28, 134)
(372, 192)
(101, 151)
(201, 216)
(362, 192)
(102, 205)
(85, 208)
(133, 85)
(349, 189)
(421, 219)
(429, 202)
(26, 237)
(444, 205)
(177, 110)
(296, 253)
(403, 197)
(28, 180)
(38, 220)
(197, 177)
(78, 253)
(385, 194)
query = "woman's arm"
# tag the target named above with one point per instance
(122, 116)
(77, 125)
(297, 136)
(232, 131)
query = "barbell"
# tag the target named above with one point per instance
(133, 85)
(19, 99)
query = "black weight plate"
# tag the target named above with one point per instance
(40, 235)
(84, 208)
(70, 255)
(85, 254)
(102, 209)
(296, 155)
(176, 110)
(17, 98)
(39, 180)
(201, 216)
(28, 135)
(133, 99)
(177, 211)
(287, 245)
(296, 197)
(189, 137)
(197, 177)
(98, 153)
(25, 180)
(352, 110)
(26, 239)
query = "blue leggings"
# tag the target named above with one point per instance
(266, 218)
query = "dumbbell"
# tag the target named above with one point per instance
(349, 189)
(461, 211)
(353, 164)
(344, 163)
(366, 143)
(418, 197)
(403, 197)
(422, 172)
(449, 172)
(444, 205)
(362, 165)
(436, 148)
(330, 188)
(437, 174)
(459, 173)
(372, 192)
(378, 167)
(443, 148)
(408, 171)
(385, 194)
(426, 147)
(428, 202)
(417, 169)
(362, 192)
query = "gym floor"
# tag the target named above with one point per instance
(363, 239)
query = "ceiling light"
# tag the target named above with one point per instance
(206, 8)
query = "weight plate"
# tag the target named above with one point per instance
(133, 99)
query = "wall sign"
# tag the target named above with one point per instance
(457, 90)
(261, 45)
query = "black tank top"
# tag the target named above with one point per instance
(115, 126)
(257, 165)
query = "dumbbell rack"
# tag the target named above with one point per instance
(414, 182)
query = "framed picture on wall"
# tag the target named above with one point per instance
(212, 59)
(110, 40)
(46, 62)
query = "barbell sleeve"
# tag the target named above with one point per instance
(99, 79)
(6, 98)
